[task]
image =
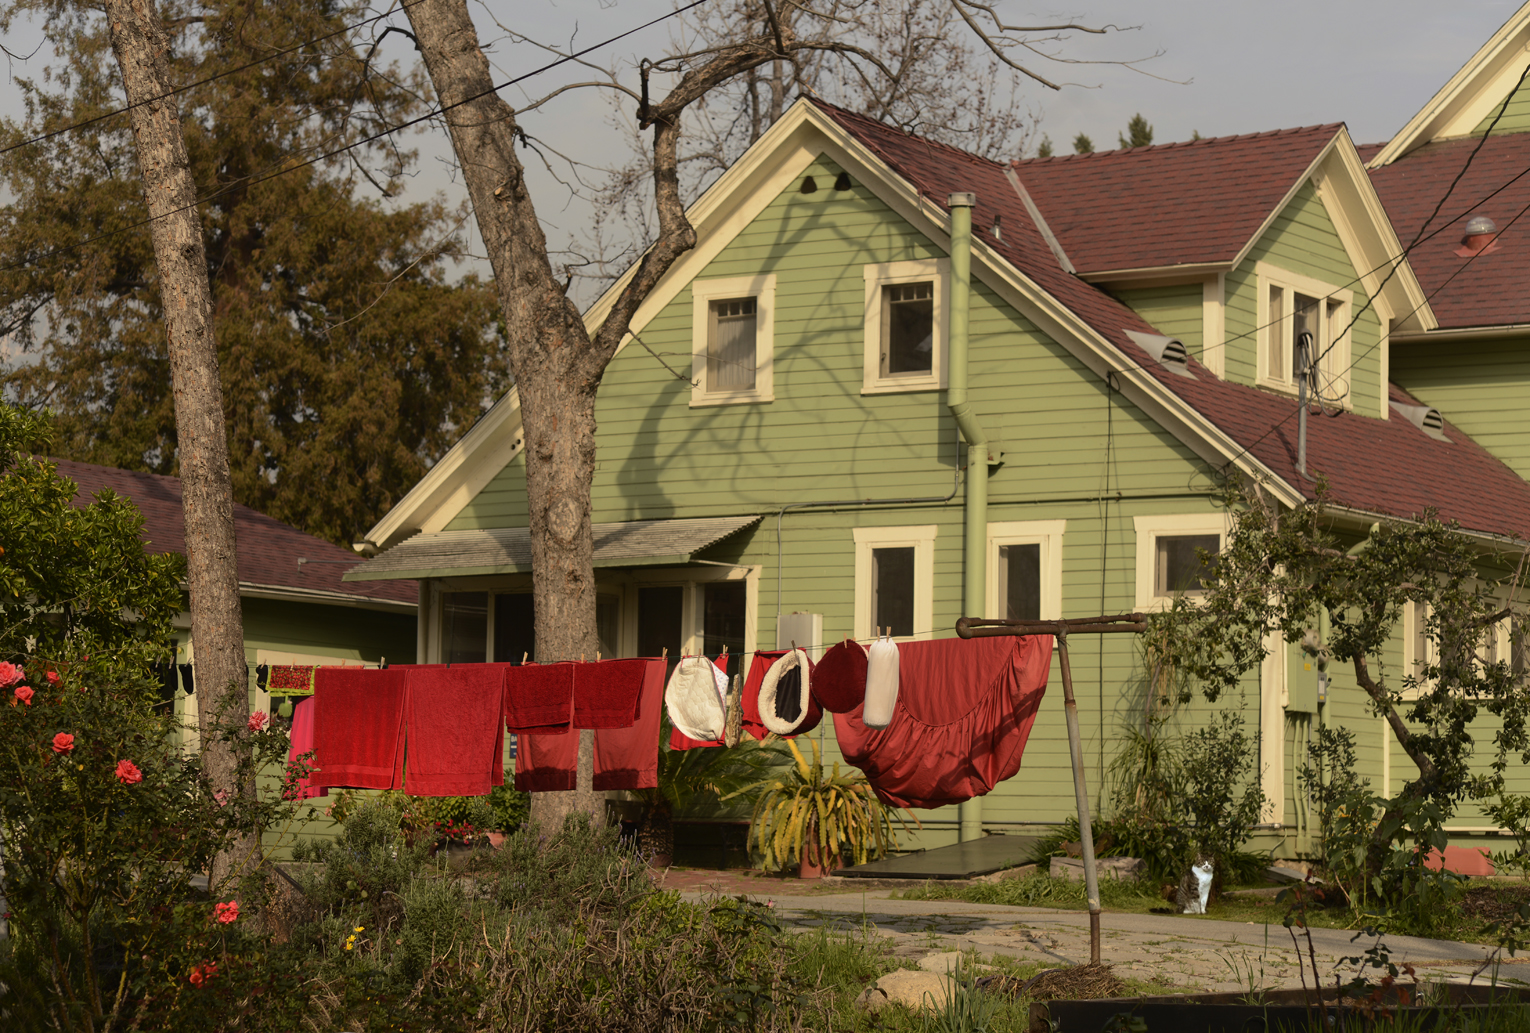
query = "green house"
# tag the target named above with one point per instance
(778, 462)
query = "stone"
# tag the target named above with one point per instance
(915, 989)
(1127, 869)
(1005, 874)
(946, 962)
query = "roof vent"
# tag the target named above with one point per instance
(1168, 352)
(1480, 237)
(1424, 418)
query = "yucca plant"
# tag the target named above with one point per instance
(804, 804)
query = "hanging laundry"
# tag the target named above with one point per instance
(695, 697)
(291, 679)
(188, 679)
(455, 730)
(358, 720)
(963, 714)
(607, 692)
(839, 679)
(546, 762)
(539, 697)
(302, 742)
(750, 701)
(786, 703)
(628, 758)
(168, 677)
(881, 683)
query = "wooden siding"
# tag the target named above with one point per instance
(1516, 117)
(1479, 386)
(1174, 311)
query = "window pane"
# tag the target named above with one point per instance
(1020, 581)
(607, 617)
(1180, 567)
(1304, 320)
(660, 613)
(908, 328)
(515, 628)
(464, 627)
(892, 588)
(730, 346)
(1274, 355)
(723, 620)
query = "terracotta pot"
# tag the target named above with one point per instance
(657, 860)
(496, 839)
(814, 867)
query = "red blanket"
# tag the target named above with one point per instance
(965, 709)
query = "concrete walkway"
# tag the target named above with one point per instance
(1189, 952)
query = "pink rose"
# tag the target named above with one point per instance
(128, 773)
(226, 912)
(222, 797)
(10, 674)
(52, 677)
(258, 720)
(24, 694)
(63, 742)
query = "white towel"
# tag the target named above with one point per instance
(881, 684)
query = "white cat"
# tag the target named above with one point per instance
(1195, 888)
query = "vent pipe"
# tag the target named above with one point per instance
(975, 508)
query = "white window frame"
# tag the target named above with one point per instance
(703, 292)
(937, 271)
(1046, 533)
(922, 538)
(1149, 530)
(1275, 331)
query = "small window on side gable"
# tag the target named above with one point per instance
(732, 340)
(905, 326)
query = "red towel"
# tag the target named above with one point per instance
(547, 762)
(302, 742)
(455, 729)
(628, 758)
(606, 693)
(358, 727)
(539, 697)
(290, 678)
(964, 712)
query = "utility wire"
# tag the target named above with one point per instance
(295, 166)
(404, 5)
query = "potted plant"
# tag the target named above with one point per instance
(810, 817)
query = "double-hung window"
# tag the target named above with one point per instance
(906, 326)
(1289, 307)
(1025, 569)
(895, 581)
(732, 340)
(1174, 554)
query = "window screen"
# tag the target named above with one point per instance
(661, 611)
(515, 628)
(723, 620)
(892, 587)
(1020, 581)
(908, 328)
(464, 627)
(730, 345)
(1180, 566)
(1274, 356)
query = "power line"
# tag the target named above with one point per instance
(203, 82)
(285, 168)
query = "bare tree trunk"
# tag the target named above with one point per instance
(212, 578)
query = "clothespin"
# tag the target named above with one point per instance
(597, 657)
(664, 655)
(523, 657)
(581, 658)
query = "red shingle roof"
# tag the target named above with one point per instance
(1491, 288)
(1174, 204)
(268, 549)
(1386, 466)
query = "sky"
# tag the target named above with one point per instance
(1217, 68)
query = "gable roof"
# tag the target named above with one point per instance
(1490, 288)
(1196, 203)
(1470, 95)
(268, 550)
(1374, 466)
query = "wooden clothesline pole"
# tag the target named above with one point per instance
(974, 627)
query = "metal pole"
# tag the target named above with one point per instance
(1081, 794)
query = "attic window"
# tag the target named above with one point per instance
(1424, 418)
(1168, 352)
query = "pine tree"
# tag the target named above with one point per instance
(348, 360)
(1044, 150)
(1082, 144)
(1138, 133)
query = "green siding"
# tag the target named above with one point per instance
(1480, 387)
(1303, 240)
(1516, 116)
(1176, 311)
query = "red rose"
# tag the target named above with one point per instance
(128, 773)
(63, 742)
(25, 695)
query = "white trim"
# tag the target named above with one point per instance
(922, 538)
(703, 292)
(1149, 529)
(1275, 328)
(883, 274)
(1046, 533)
(1214, 325)
(1274, 694)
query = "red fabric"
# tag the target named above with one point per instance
(358, 727)
(606, 693)
(290, 678)
(539, 697)
(628, 758)
(547, 762)
(965, 709)
(302, 742)
(456, 731)
(839, 680)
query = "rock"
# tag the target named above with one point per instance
(914, 989)
(1127, 869)
(1005, 874)
(946, 962)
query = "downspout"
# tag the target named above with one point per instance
(975, 509)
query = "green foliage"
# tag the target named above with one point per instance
(510, 808)
(1082, 144)
(832, 811)
(1044, 149)
(1221, 796)
(1138, 133)
(687, 777)
(575, 870)
(349, 361)
(1039, 889)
